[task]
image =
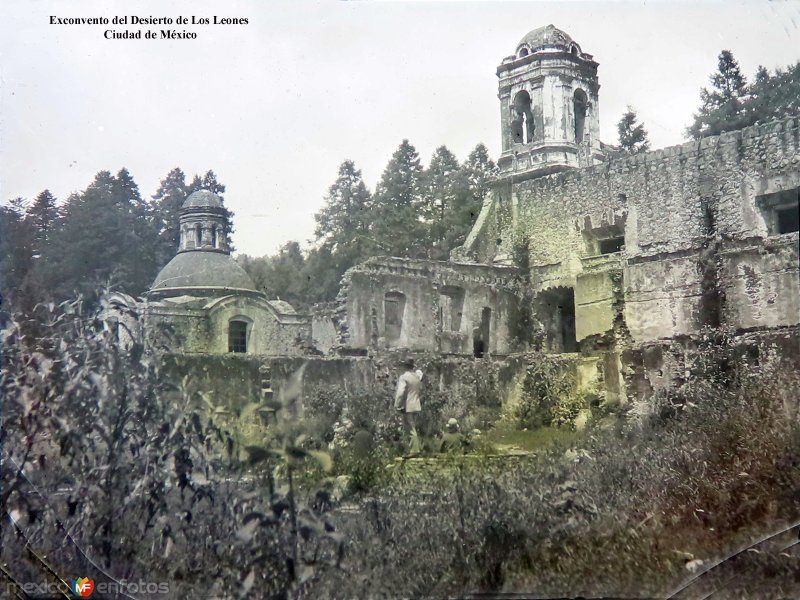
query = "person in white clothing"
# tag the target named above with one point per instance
(407, 402)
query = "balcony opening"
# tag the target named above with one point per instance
(611, 245)
(451, 305)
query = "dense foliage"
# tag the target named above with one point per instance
(672, 496)
(415, 212)
(731, 103)
(109, 471)
(632, 134)
(105, 236)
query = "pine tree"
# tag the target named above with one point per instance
(167, 202)
(16, 255)
(140, 266)
(475, 177)
(44, 215)
(442, 193)
(722, 106)
(343, 223)
(632, 134)
(774, 95)
(398, 226)
(343, 228)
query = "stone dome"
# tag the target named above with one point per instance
(201, 271)
(541, 37)
(203, 199)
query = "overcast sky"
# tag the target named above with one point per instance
(274, 106)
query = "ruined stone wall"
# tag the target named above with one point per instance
(440, 306)
(269, 333)
(667, 204)
(665, 366)
(173, 328)
(201, 327)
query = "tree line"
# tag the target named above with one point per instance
(730, 103)
(106, 236)
(414, 212)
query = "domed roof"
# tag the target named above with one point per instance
(549, 35)
(201, 270)
(203, 199)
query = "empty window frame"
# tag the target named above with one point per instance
(610, 245)
(394, 305)
(522, 126)
(579, 104)
(781, 211)
(451, 306)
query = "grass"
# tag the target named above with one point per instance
(507, 438)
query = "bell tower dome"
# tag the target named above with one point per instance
(549, 116)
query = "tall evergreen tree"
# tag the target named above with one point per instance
(141, 266)
(472, 187)
(167, 202)
(17, 236)
(102, 240)
(443, 191)
(44, 215)
(399, 208)
(343, 223)
(632, 134)
(722, 106)
(774, 95)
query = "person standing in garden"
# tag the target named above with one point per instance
(407, 401)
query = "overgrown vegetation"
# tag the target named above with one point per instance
(111, 472)
(636, 510)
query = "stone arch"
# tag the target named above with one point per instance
(580, 104)
(522, 126)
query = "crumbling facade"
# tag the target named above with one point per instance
(623, 250)
(614, 263)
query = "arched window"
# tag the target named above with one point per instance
(213, 236)
(523, 52)
(522, 127)
(579, 105)
(198, 235)
(237, 335)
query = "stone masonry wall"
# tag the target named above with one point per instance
(427, 325)
(668, 203)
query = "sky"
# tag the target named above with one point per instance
(275, 106)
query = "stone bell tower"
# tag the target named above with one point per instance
(548, 106)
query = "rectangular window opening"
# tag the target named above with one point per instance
(781, 211)
(788, 219)
(611, 245)
(237, 336)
